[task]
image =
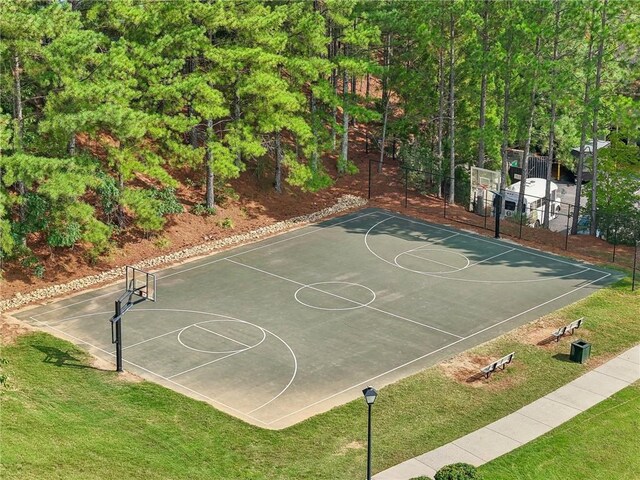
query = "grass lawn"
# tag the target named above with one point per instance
(72, 421)
(601, 443)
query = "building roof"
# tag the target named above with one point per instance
(588, 147)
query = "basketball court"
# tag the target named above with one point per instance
(277, 331)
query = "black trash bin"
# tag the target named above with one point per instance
(580, 351)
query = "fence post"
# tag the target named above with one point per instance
(615, 242)
(484, 206)
(566, 235)
(498, 213)
(444, 203)
(635, 263)
(406, 186)
(369, 197)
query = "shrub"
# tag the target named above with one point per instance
(65, 235)
(168, 201)
(162, 243)
(201, 209)
(346, 166)
(458, 471)
(226, 223)
(421, 477)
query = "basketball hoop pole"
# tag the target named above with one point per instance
(145, 289)
(116, 324)
(117, 320)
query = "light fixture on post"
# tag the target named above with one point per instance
(370, 395)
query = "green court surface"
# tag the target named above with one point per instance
(282, 329)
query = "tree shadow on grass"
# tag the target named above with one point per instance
(59, 358)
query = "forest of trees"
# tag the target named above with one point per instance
(102, 100)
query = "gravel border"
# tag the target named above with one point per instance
(346, 202)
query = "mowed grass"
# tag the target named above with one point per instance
(67, 420)
(602, 443)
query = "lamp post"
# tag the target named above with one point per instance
(370, 395)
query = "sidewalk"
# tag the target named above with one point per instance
(528, 423)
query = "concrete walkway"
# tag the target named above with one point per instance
(527, 423)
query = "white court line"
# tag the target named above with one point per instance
(318, 229)
(223, 336)
(152, 338)
(491, 258)
(213, 252)
(207, 363)
(73, 304)
(157, 375)
(475, 238)
(427, 260)
(457, 269)
(480, 238)
(471, 280)
(169, 380)
(284, 389)
(363, 305)
(369, 380)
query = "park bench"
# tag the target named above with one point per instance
(503, 362)
(568, 328)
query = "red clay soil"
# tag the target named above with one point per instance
(258, 205)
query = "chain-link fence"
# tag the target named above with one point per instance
(428, 192)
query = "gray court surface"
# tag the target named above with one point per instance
(277, 331)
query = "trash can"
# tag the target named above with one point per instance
(580, 351)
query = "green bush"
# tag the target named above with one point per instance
(167, 200)
(226, 223)
(458, 471)
(346, 166)
(146, 210)
(201, 209)
(421, 477)
(64, 235)
(109, 194)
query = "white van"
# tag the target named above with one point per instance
(534, 204)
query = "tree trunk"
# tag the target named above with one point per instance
(344, 154)
(193, 133)
(583, 138)
(120, 209)
(552, 122)
(277, 183)
(17, 104)
(237, 114)
(441, 107)
(452, 116)
(313, 164)
(18, 135)
(332, 47)
(505, 114)
(208, 163)
(527, 144)
(596, 105)
(483, 83)
(384, 134)
(71, 146)
(385, 96)
(366, 137)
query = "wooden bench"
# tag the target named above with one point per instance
(503, 362)
(568, 328)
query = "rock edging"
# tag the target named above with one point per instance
(346, 202)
